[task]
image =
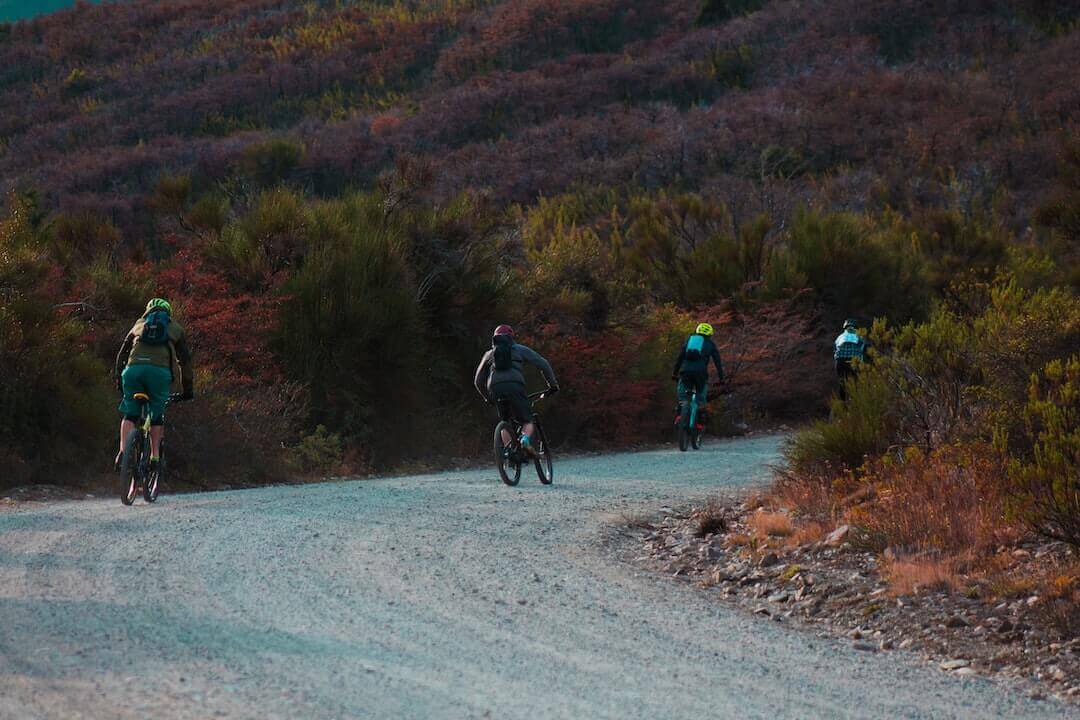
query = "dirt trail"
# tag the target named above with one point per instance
(442, 595)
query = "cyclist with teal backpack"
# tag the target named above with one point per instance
(145, 365)
(692, 366)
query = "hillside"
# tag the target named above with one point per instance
(344, 198)
(528, 98)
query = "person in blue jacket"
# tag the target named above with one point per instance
(848, 347)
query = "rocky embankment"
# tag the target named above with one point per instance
(833, 586)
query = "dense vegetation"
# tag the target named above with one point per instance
(342, 198)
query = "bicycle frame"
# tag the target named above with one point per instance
(690, 417)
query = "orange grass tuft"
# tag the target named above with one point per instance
(914, 575)
(767, 524)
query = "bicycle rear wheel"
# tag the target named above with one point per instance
(695, 438)
(129, 467)
(505, 457)
(544, 470)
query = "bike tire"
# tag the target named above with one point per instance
(509, 471)
(153, 481)
(129, 468)
(544, 469)
(695, 439)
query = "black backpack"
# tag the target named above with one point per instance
(503, 347)
(156, 328)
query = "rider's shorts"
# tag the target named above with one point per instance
(696, 380)
(153, 380)
(512, 402)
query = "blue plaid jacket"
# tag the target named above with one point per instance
(849, 346)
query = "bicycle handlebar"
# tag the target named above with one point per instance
(543, 394)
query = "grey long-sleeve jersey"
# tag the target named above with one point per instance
(487, 375)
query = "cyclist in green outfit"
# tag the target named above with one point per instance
(145, 364)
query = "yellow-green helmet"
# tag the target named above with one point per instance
(704, 329)
(158, 304)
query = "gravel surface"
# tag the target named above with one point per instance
(445, 595)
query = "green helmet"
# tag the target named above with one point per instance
(158, 304)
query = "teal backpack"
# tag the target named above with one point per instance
(695, 346)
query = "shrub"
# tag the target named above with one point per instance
(118, 290)
(271, 163)
(56, 406)
(209, 214)
(76, 239)
(351, 327)
(853, 264)
(317, 452)
(860, 428)
(270, 237)
(1047, 479)
(717, 11)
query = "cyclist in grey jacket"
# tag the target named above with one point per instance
(500, 376)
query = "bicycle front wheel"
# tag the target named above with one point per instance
(129, 467)
(153, 479)
(506, 459)
(543, 457)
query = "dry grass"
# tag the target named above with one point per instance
(813, 496)
(1060, 606)
(951, 503)
(807, 533)
(740, 540)
(766, 524)
(914, 575)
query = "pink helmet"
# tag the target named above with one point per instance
(503, 330)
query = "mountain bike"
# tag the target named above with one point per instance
(687, 427)
(135, 471)
(510, 458)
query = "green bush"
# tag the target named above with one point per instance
(351, 326)
(119, 292)
(270, 237)
(76, 239)
(859, 429)
(1047, 478)
(318, 452)
(56, 407)
(854, 264)
(272, 162)
(209, 214)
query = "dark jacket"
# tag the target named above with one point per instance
(690, 367)
(133, 352)
(487, 376)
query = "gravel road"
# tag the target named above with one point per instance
(445, 595)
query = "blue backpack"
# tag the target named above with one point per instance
(156, 328)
